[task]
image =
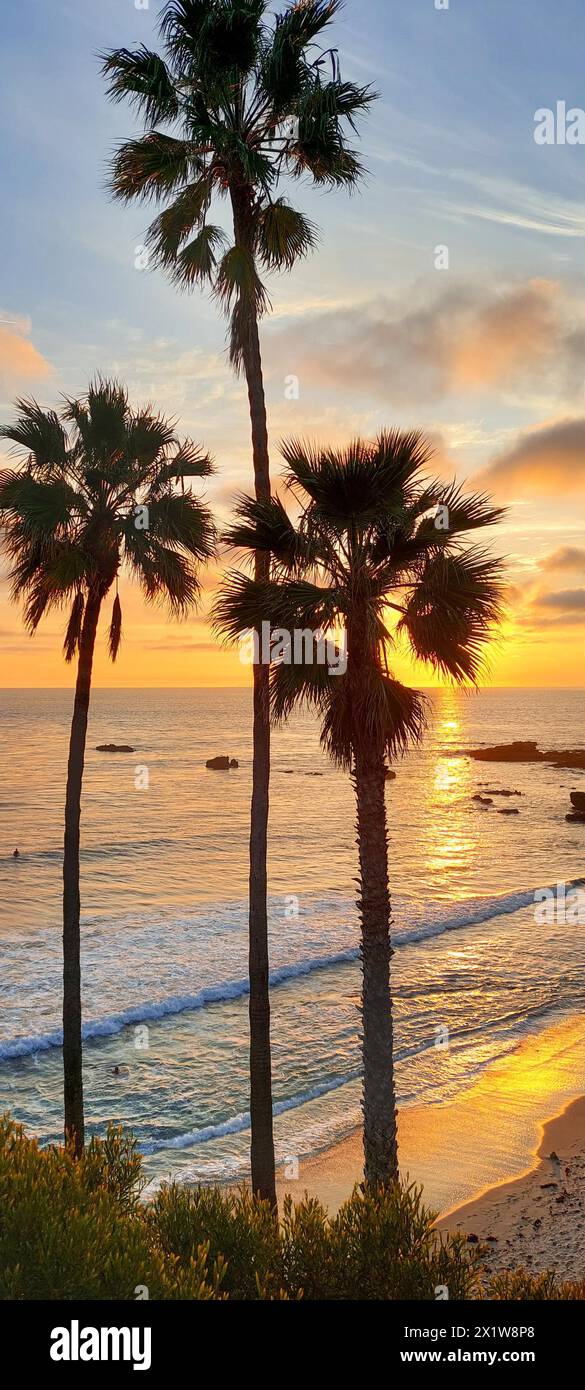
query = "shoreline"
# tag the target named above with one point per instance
(535, 1219)
(483, 1161)
(538, 1218)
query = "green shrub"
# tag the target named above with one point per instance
(381, 1245)
(74, 1230)
(235, 1226)
(520, 1286)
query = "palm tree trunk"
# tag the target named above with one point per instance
(379, 1098)
(72, 1056)
(261, 1122)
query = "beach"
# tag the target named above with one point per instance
(536, 1215)
(538, 1220)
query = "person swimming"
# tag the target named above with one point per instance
(16, 854)
(116, 1071)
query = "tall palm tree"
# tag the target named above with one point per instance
(239, 100)
(96, 491)
(373, 556)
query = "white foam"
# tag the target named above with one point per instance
(124, 959)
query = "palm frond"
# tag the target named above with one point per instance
(264, 525)
(190, 461)
(297, 685)
(218, 38)
(196, 262)
(44, 509)
(73, 632)
(176, 223)
(284, 236)
(40, 433)
(152, 167)
(166, 575)
(144, 78)
(180, 521)
(453, 611)
(366, 481)
(115, 630)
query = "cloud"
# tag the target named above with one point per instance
(549, 459)
(20, 362)
(568, 600)
(428, 343)
(567, 557)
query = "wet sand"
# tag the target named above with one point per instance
(538, 1220)
(483, 1158)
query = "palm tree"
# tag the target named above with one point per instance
(239, 100)
(96, 491)
(372, 556)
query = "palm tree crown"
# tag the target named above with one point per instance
(231, 105)
(96, 492)
(380, 552)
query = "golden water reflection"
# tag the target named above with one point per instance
(450, 839)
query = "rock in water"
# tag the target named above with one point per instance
(517, 752)
(491, 791)
(578, 801)
(578, 816)
(527, 751)
(114, 748)
(221, 764)
(508, 811)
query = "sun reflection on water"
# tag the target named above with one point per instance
(450, 835)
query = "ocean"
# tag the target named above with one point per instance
(476, 970)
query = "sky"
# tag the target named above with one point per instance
(480, 343)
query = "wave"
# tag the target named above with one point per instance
(237, 1123)
(433, 922)
(506, 1040)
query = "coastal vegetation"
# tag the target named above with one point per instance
(78, 1229)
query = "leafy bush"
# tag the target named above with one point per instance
(74, 1229)
(521, 1286)
(381, 1245)
(234, 1226)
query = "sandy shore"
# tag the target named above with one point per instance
(483, 1158)
(537, 1220)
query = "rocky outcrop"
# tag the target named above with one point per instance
(114, 748)
(517, 752)
(527, 751)
(221, 764)
(578, 801)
